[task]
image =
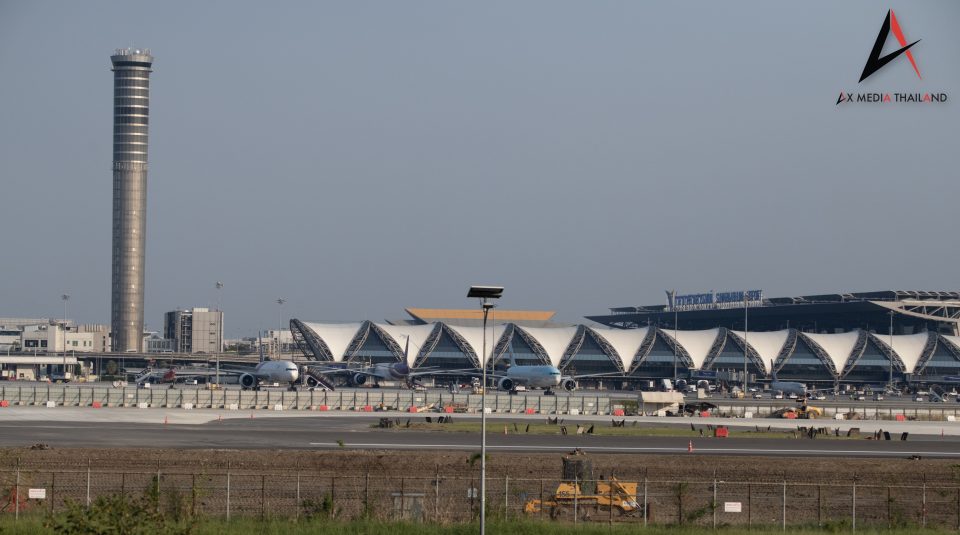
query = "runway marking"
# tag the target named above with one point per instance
(641, 449)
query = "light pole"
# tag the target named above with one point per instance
(280, 301)
(65, 298)
(676, 341)
(890, 382)
(746, 302)
(484, 293)
(219, 286)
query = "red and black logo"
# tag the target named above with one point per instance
(875, 62)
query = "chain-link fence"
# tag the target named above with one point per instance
(703, 502)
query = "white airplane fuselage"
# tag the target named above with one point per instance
(539, 376)
(277, 371)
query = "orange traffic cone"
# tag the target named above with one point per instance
(690, 447)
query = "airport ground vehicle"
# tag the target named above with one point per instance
(579, 491)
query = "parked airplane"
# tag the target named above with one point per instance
(787, 387)
(543, 376)
(358, 375)
(267, 371)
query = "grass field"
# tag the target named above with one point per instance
(253, 526)
(601, 429)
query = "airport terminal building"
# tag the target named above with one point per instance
(647, 352)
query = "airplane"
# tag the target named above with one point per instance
(267, 371)
(545, 376)
(381, 371)
(358, 376)
(787, 387)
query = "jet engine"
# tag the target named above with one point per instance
(358, 379)
(505, 384)
(248, 381)
(568, 384)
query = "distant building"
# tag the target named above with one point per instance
(154, 343)
(912, 312)
(48, 335)
(196, 330)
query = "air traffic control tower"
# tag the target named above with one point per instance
(131, 106)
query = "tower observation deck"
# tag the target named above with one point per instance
(131, 107)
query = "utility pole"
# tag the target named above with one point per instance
(65, 298)
(280, 301)
(219, 286)
(746, 303)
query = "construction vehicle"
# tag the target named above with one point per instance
(579, 492)
(803, 412)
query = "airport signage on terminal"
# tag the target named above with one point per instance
(712, 300)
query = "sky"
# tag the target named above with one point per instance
(356, 158)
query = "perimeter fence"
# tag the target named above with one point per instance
(440, 498)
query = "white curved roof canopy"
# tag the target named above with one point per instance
(909, 347)
(837, 345)
(474, 338)
(337, 336)
(697, 343)
(554, 340)
(625, 341)
(952, 340)
(767, 344)
(417, 335)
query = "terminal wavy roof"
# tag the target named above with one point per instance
(626, 347)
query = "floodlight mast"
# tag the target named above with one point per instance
(484, 293)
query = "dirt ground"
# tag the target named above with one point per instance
(428, 463)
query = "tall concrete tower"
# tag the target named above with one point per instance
(131, 106)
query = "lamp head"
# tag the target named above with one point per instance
(486, 292)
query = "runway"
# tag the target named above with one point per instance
(355, 432)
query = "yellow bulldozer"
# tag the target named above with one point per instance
(580, 492)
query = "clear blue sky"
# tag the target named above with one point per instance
(360, 157)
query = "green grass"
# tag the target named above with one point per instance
(518, 527)
(600, 429)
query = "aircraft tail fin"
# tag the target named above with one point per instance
(773, 371)
(513, 359)
(406, 351)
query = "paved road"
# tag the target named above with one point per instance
(297, 432)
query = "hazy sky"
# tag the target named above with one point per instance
(359, 157)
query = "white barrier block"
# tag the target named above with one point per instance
(188, 406)
(278, 407)
(951, 418)
(838, 416)
(51, 404)
(233, 407)
(574, 412)
(143, 405)
(488, 410)
(661, 413)
(748, 415)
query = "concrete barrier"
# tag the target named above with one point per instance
(51, 404)
(278, 407)
(188, 406)
(143, 405)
